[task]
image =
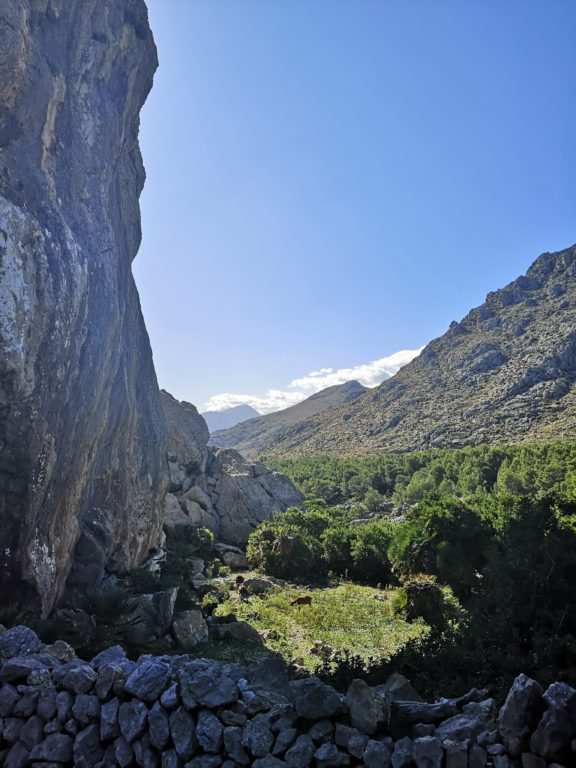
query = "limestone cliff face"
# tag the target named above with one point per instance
(217, 488)
(82, 454)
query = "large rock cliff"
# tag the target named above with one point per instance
(217, 488)
(82, 456)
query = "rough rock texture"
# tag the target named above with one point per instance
(82, 467)
(505, 374)
(214, 487)
(171, 709)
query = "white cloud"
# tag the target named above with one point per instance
(370, 374)
(273, 400)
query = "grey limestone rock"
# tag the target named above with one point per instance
(87, 750)
(428, 752)
(314, 699)
(210, 684)
(403, 753)
(132, 719)
(159, 727)
(301, 753)
(284, 741)
(183, 731)
(329, 756)
(233, 737)
(78, 496)
(8, 698)
(258, 737)
(190, 629)
(556, 729)
(459, 728)
(378, 754)
(209, 731)
(520, 714)
(86, 708)
(366, 709)
(149, 680)
(19, 641)
(57, 748)
(109, 728)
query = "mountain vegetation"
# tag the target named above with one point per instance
(505, 374)
(496, 526)
(255, 435)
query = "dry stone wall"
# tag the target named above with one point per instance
(170, 711)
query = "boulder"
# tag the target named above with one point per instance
(247, 494)
(367, 711)
(520, 714)
(314, 700)
(556, 729)
(427, 752)
(187, 434)
(149, 680)
(173, 512)
(155, 612)
(189, 629)
(459, 728)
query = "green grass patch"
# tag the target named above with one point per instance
(346, 617)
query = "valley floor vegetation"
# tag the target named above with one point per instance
(455, 568)
(495, 525)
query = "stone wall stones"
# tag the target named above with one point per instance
(198, 713)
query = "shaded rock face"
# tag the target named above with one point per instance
(82, 460)
(217, 488)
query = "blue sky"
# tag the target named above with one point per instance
(331, 182)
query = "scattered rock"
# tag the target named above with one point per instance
(190, 630)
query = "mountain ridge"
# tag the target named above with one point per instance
(229, 417)
(249, 437)
(505, 373)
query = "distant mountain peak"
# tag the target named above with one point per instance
(229, 417)
(255, 435)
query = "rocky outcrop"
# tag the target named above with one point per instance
(505, 374)
(59, 710)
(217, 488)
(82, 460)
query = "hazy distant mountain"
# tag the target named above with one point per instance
(255, 435)
(505, 374)
(228, 418)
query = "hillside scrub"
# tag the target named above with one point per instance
(501, 535)
(378, 482)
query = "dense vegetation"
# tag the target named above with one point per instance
(496, 525)
(547, 470)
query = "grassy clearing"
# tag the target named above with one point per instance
(346, 617)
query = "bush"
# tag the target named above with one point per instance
(283, 551)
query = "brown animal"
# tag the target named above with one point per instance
(304, 600)
(239, 579)
(244, 594)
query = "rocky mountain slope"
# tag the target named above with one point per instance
(256, 435)
(215, 487)
(217, 420)
(505, 373)
(82, 455)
